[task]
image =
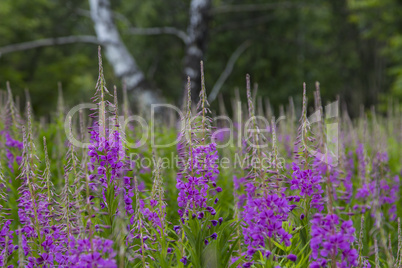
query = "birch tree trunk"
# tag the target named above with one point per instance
(117, 54)
(197, 33)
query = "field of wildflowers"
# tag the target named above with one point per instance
(245, 191)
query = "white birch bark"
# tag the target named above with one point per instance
(197, 33)
(117, 54)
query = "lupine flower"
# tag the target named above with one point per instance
(386, 191)
(329, 239)
(325, 168)
(266, 207)
(389, 194)
(81, 254)
(309, 186)
(32, 205)
(33, 213)
(347, 182)
(12, 125)
(59, 229)
(362, 162)
(197, 177)
(196, 182)
(155, 211)
(214, 236)
(7, 246)
(184, 260)
(151, 214)
(292, 257)
(10, 144)
(365, 191)
(247, 264)
(6, 241)
(202, 163)
(263, 217)
(107, 157)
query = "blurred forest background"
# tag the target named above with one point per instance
(353, 47)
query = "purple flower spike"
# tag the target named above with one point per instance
(292, 257)
(214, 222)
(309, 185)
(214, 236)
(251, 251)
(266, 212)
(329, 239)
(220, 220)
(247, 264)
(197, 184)
(180, 212)
(200, 215)
(184, 260)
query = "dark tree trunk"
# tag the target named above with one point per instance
(364, 79)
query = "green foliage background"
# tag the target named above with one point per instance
(353, 47)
